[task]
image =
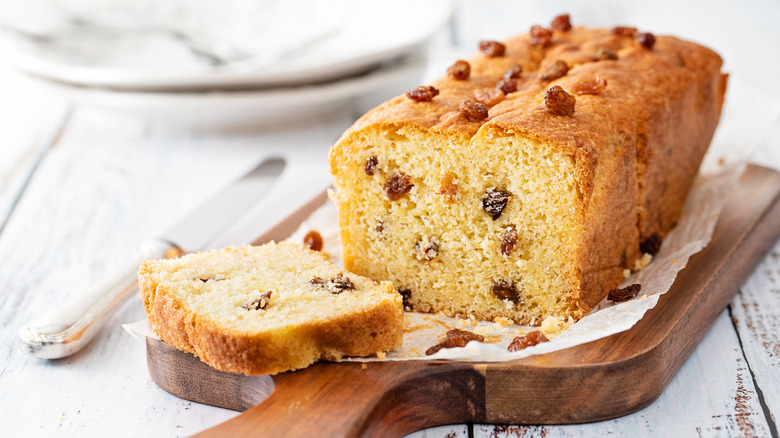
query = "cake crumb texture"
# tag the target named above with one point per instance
(268, 309)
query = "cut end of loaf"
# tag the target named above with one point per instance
(488, 227)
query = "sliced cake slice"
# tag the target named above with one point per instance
(268, 309)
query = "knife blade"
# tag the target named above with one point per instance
(67, 328)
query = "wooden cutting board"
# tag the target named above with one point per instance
(603, 379)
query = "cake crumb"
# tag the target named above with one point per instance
(553, 326)
(363, 366)
(381, 355)
(504, 322)
(644, 261)
(626, 273)
(483, 330)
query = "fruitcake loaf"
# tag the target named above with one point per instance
(268, 309)
(528, 180)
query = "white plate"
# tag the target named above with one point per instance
(254, 108)
(147, 61)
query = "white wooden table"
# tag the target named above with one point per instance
(78, 198)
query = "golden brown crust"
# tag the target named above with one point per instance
(636, 146)
(361, 332)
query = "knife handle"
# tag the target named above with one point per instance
(65, 329)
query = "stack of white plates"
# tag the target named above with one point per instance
(279, 70)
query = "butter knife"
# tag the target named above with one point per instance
(65, 329)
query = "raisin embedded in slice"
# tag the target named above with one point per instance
(398, 186)
(474, 111)
(504, 290)
(455, 338)
(259, 303)
(624, 294)
(489, 96)
(508, 241)
(540, 36)
(590, 86)
(561, 22)
(406, 295)
(513, 72)
(448, 188)
(313, 240)
(624, 31)
(507, 85)
(494, 202)
(646, 39)
(339, 284)
(426, 249)
(492, 48)
(423, 93)
(370, 167)
(460, 70)
(559, 101)
(651, 245)
(318, 281)
(557, 69)
(606, 54)
(527, 340)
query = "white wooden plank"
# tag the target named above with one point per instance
(712, 395)
(27, 123)
(756, 314)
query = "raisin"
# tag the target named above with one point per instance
(318, 281)
(624, 31)
(380, 226)
(557, 69)
(448, 188)
(398, 186)
(313, 240)
(651, 245)
(625, 294)
(492, 48)
(259, 303)
(423, 93)
(339, 284)
(646, 39)
(540, 36)
(561, 22)
(494, 202)
(513, 72)
(455, 338)
(606, 54)
(489, 96)
(508, 241)
(474, 111)
(527, 340)
(559, 101)
(370, 167)
(406, 295)
(504, 290)
(507, 85)
(460, 70)
(426, 250)
(590, 86)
